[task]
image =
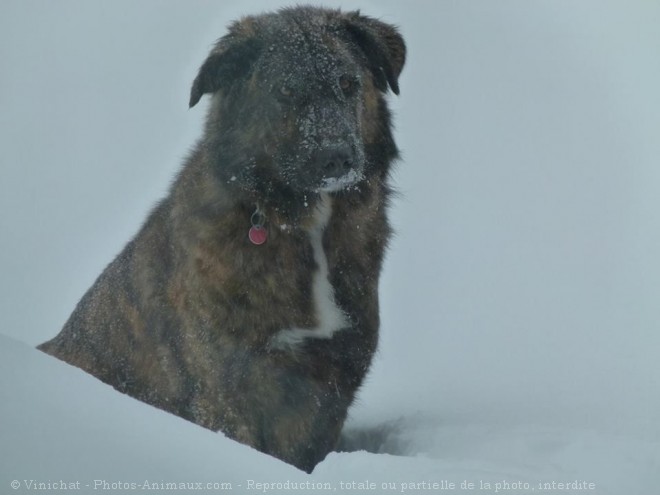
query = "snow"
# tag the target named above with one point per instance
(331, 184)
(61, 425)
(520, 295)
(58, 423)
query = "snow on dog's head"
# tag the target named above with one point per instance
(297, 95)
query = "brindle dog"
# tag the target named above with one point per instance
(248, 301)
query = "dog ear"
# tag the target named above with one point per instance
(231, 58)
(383, 47)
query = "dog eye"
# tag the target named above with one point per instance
(348, 84)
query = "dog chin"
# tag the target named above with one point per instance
(334, 184)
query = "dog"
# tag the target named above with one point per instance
(248, 301)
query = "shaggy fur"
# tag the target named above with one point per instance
(265, 343)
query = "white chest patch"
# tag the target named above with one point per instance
(330, 318)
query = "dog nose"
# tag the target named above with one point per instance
(335, 161)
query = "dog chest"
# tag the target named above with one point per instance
(328, 317)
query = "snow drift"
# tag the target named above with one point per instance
(63, 428)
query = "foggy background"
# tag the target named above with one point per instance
(524, 280)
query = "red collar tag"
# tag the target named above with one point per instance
(258, 233)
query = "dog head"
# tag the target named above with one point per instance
(298, 99)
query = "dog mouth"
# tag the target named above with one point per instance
(334, 184)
